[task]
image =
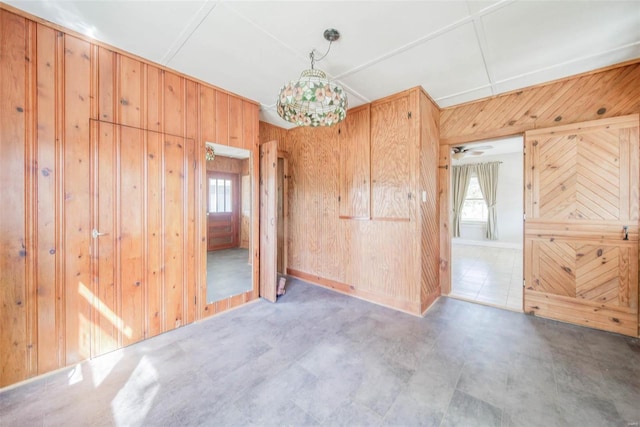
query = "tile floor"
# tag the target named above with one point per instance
(317, 357)
(487, 275)
(228, 273)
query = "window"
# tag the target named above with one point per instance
(219, 195)
(474, 207)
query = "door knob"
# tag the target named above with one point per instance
(625, 229)
(95, 233)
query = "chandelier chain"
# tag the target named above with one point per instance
(312, 55)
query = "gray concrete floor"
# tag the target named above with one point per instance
(228, 273)
(320, 358)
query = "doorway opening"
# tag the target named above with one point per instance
(487, 254)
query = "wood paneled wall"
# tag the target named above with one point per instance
(268, 132)
(595, 95)
(429, 202)
(605, 93)
(334, 238)
(225, 164)
(83, 126)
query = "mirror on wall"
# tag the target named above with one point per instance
(228, 208)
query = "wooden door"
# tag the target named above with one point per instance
(117, 235)
(355, 165)
(391, 157)
(268, 220)
(581, 228)
(223, 211)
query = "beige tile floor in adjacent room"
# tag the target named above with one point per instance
(488, 275)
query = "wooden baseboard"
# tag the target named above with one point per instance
(409, 307)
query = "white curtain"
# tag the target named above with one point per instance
(487, 174)
(461, 176)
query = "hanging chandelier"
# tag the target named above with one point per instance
(313, 100)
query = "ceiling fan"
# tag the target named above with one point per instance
(461, 151)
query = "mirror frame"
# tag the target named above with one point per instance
(208, 309)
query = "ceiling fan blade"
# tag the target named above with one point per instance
(476, 153)
(482, 147)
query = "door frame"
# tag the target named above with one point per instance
(284, 218)
(444, 182)
(235, 203)
(209, 309)
(446, 209)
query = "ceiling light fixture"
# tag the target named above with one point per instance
(313, 100)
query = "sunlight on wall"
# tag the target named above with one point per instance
(104, 310)
(134, 400)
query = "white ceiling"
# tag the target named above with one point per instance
(457, 51)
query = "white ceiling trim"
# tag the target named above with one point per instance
(571, 61)
(536, 71)
(478, 27)
(464, 92)
(426, 38)
(276, 39)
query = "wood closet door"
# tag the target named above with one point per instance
(268, 220)
(118, 237)
(581, 228)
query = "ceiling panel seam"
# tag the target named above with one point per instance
(464, 92)
(276, 39)
(571, 61)
(188, 31)
(478, 26)
(426, 38)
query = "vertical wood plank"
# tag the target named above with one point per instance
(130, 209)
(48, 196)
(254, 164)
(207, 114)
(173, 207)
(78, 297)
(268, 234)
(13, 254)
(31, 180)
(174, 104)
(236, 112)
(106, 335)
(106, 85)
(249, 125)
(130, 91)
(154, 98)
(60, 205)
(222, 118)
(154, 235)
(192, 211)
